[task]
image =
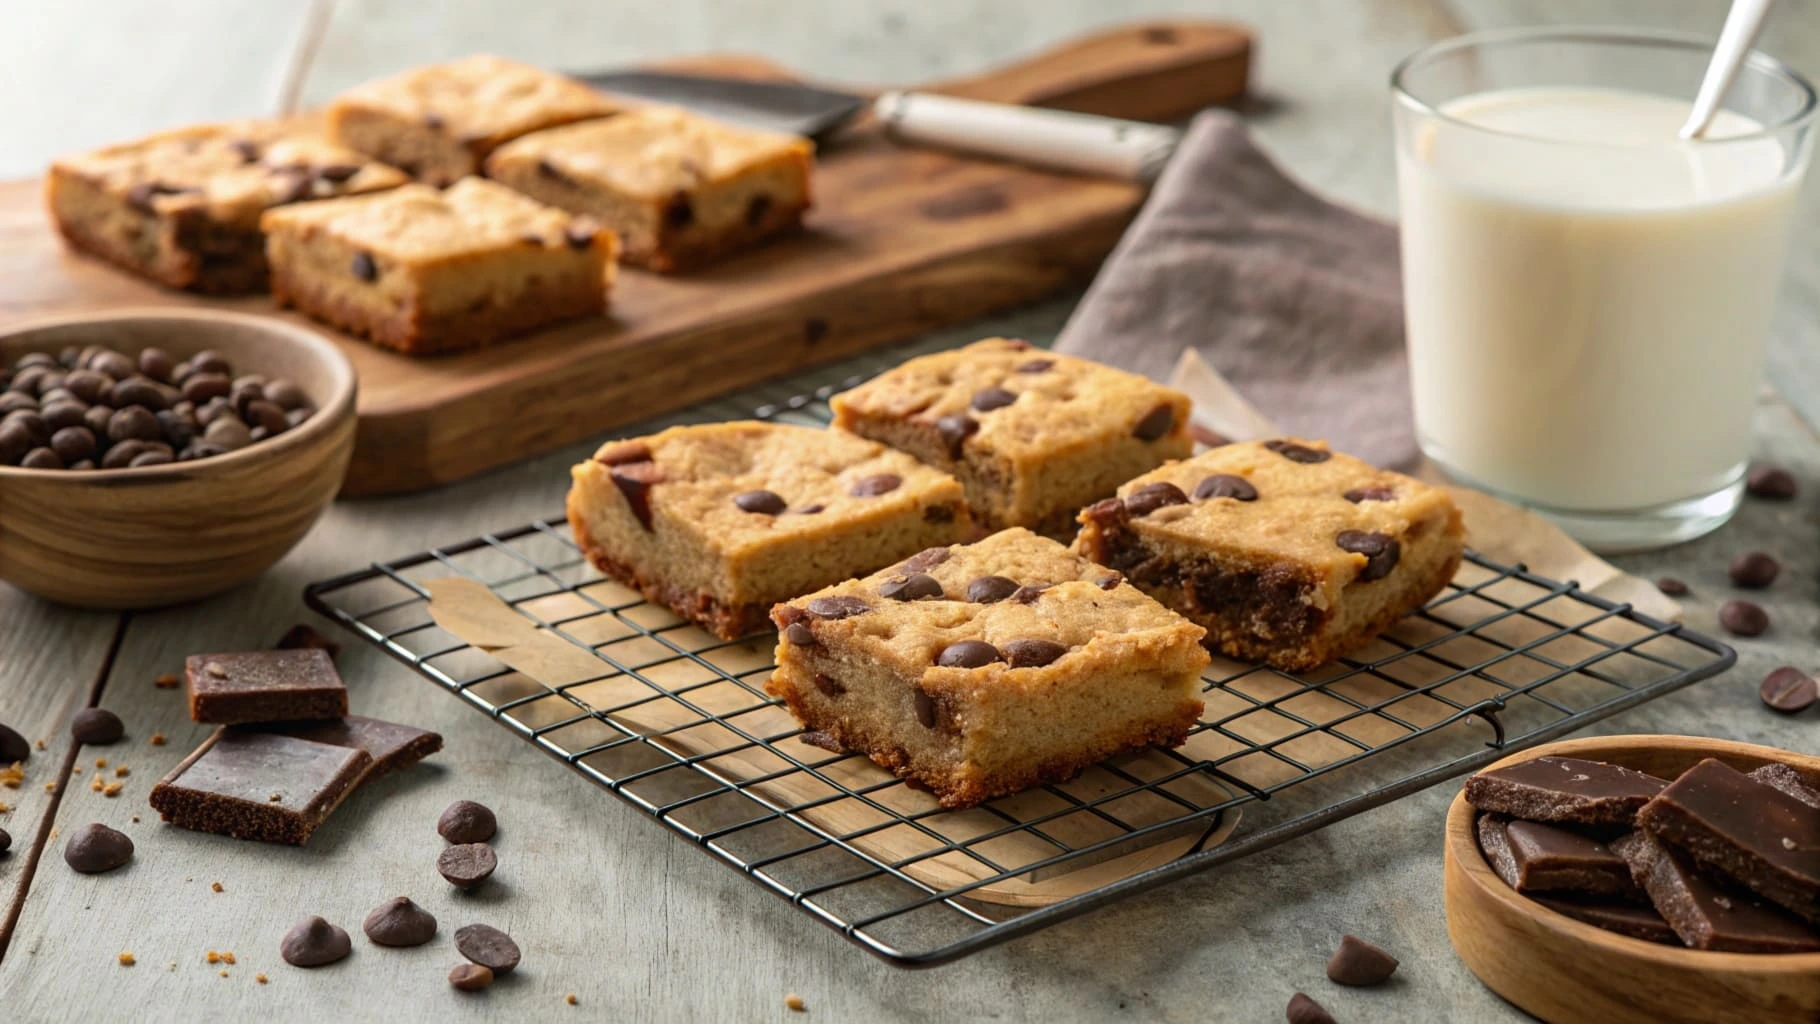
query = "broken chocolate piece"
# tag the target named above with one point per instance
(1358, 962)
(1552, 859)
(1564, 789)
(259, 785)
(1702, 913)
(391, 745)
(1624, 918)
(264, 686)
(1787, 780)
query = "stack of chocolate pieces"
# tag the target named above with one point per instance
(1717, 859)
(287, 752)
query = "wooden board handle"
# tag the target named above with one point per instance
(1153, 71)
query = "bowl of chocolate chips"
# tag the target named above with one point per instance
(151, 457)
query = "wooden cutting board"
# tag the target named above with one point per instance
(901, 241)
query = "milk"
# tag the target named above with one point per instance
(1588, 300)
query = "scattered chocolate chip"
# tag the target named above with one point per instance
(363, 267)
(988, 399)
(97, 727)
(304, 636)
(635, 480)
(1377, 492)
(1742, 618)
(1358, 962)
(470, 977)
(13, 747)
(95, 848)
(991, 589)
(1155, 424)
(1028, 593)
(925, 709)
(313, 942)
(968, 654)
(465, 821)
(580, 235)
(955, 430)
(764, 503)
(1754, 570)
(1788, 690)
(915, 587)
(1771, 482)
(924, 559)
(1298, 452)
(829, 685)
(1150, 497)
(1381, 552)
(679, 213)
(1036, 366)
(799, 634)
(6, 841)
(756, 208)
(466, 865)
(1303, 1010)
(875, 485)
(1225, 485)
(1672, 587)
(1032, 653)
(838, 607)
(399, 922)
(487, 946)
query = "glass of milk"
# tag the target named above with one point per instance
(1588, 297)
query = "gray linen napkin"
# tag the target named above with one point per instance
(1294, 300)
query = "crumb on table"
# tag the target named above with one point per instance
(157, 739)
(216, 886)
(101, 762)
(260, 978)
(795, 1003)
(127, 960)
(167, 681)
(122, 771)
(570, 999)
(112, 789)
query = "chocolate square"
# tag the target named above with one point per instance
(1760, 837)
(254, 785)
(264, 686)
(1535, 858)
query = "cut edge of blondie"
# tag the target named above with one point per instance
(726, 621)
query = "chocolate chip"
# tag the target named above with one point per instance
(154, 458)
(621, 454)
(829, 685)
(1150, 497)
(95, 848)
(1754, 570)
(363, 267)
(1360, 495)
(988, 399)
(679, 213)
(991, 589)
(1298, 452)
(925, 559)
(1771, 482)
(1742, 618)
(97, 727)
(1036, 366)
(635, 480)
(1225, 485)
(1156, 423)
(1303, 1010)
(925, 709)
(466, 865)
(968, 654)
(399, 922)
(1672, 586)
(1032, 653)
(955, 430)
(470, 977)
(1028, 593)
(487, 946)
(1788, 690)
(287, 395)
(1110, 582)
(140, 197)
(916, 587)
(756, 208)
(41, 458)
(938, 514)
(200, 387)
(838, 607)
(433, 122)
(337, 173)
(156, 363)
(133, 423)
(580, 235)
(247, 148)
(465, 821)
(1358, 962)
(799, 634)
(1381, 552)
(875, 485)
(13, 747)
(6, 841)
(123, 453)
(313, 942)
(764, 503)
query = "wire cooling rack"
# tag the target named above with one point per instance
(677, 723)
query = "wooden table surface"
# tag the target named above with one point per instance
(605, 903)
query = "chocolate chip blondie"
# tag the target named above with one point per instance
(426, 271)
(681, 190)
(721, 521)
(439, 122)
(183, 207)
(1034, 437)
(983, 669)
(1285, 551)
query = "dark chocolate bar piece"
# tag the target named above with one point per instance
(1624, 918)
(264, 686)
(255, 785)
(1755, 834)
(1787, 780)
(1532, 857)
(1566, 789)
(1704, 914)
(391, 745)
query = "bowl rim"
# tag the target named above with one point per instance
(1462, 847)
(329, 417)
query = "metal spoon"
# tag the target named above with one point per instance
(1742, 24)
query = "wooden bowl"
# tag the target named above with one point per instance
(160, 535)
(1563, 970)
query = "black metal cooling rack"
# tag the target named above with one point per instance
(678, 724)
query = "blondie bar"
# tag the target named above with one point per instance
(680, 190)
(424, 271)
(983, 669)
(723, 520)
(183, 207)
(1033, 437)
(1285, 551)
(439, 122)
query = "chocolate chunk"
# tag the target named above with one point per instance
(1771, 482)
(991, 589)
(1029, 592)
(1564, 789)
(1109, 582)
(635, 480)
(399, 922)
(927, 558)
(799, 634)
(756, 209)
(1150, 497)
(133, 423)
(247, 148)
(264, 686)
(465, 821)
(41, 458)
(1225, 485)
(1532, 857)
(917, 587)
(13, 747)
(1754, 834)
(1705, 914)
(1298, 452)
(1035, 366)
(1358, 962)
(97, 727)
(838, 607)
(1381, 552)
(1788, 780)
(623, 453)
(487, 946)
(93, 849)
(968, 654)
(337, 173)
(1032, 653)
(809, 510)
(955, 429)
(764, 503)
(391, 745)
(988, 399)
(1672, 587)
(304, 636)
(829, 685)
(875, 485)
(1788, 690)
(6, 841)
(1304, 1010)
(470, 977)
(313, 942)
(1155, 424)
(679, 213)
(1360, 495)
(433, 122)
(259, 785)
(1742, 618)
(1754, 570)
(580, 235)
(1623, 918)
(363, 267)
(925, 709)
(466, 865)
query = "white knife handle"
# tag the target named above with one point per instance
(1055, 139)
